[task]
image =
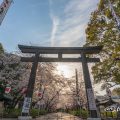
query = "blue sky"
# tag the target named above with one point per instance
(46, 23)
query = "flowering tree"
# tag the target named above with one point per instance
(13, 74)
(49, 85)
(77, 91)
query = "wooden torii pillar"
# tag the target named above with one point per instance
(60, 51)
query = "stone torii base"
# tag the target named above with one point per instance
(24, 118)
(93, 118)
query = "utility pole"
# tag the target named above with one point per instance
(77, 90)
(4, 8)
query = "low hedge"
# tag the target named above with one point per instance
(11, 113)
(35, 112)
(80, 113)
(112, 114)
(14, 113)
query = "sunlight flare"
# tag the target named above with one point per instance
(64, 70)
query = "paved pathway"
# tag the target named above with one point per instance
(58, 116)
(52, 116)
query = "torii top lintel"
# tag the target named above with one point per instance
(62, 50)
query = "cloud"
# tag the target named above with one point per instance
(69, 29)
(55, 21)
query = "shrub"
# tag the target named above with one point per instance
(11, 113)
(109, 114)
(80, 113)
(36, 112)
(14, 113)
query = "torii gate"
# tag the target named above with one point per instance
(60, 51)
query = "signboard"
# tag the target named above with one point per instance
(26, 105)
(41, 102)
(91, 100)
(4, 8)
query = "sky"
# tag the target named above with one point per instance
(52, 23)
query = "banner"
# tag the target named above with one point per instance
(4, 8)
(26, 105)
(91, 100)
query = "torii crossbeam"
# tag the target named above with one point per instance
(60, 51)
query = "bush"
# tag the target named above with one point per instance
(80, 113)
(11, 113)
(84, 113)
(14, 113)
(42, 112)
(109, 114)
(36, 112)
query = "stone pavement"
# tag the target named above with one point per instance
(52, 116)
(8, 118)
(58, 116)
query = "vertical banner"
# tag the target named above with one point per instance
(91, 100)
(26, 105)
(4, 8)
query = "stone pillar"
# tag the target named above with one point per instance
(89, 91)
(30, 88)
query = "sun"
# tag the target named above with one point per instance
(64, 70)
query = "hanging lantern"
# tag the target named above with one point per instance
(7, 89)
(39, 94)
(4, 8)
(24, 90)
